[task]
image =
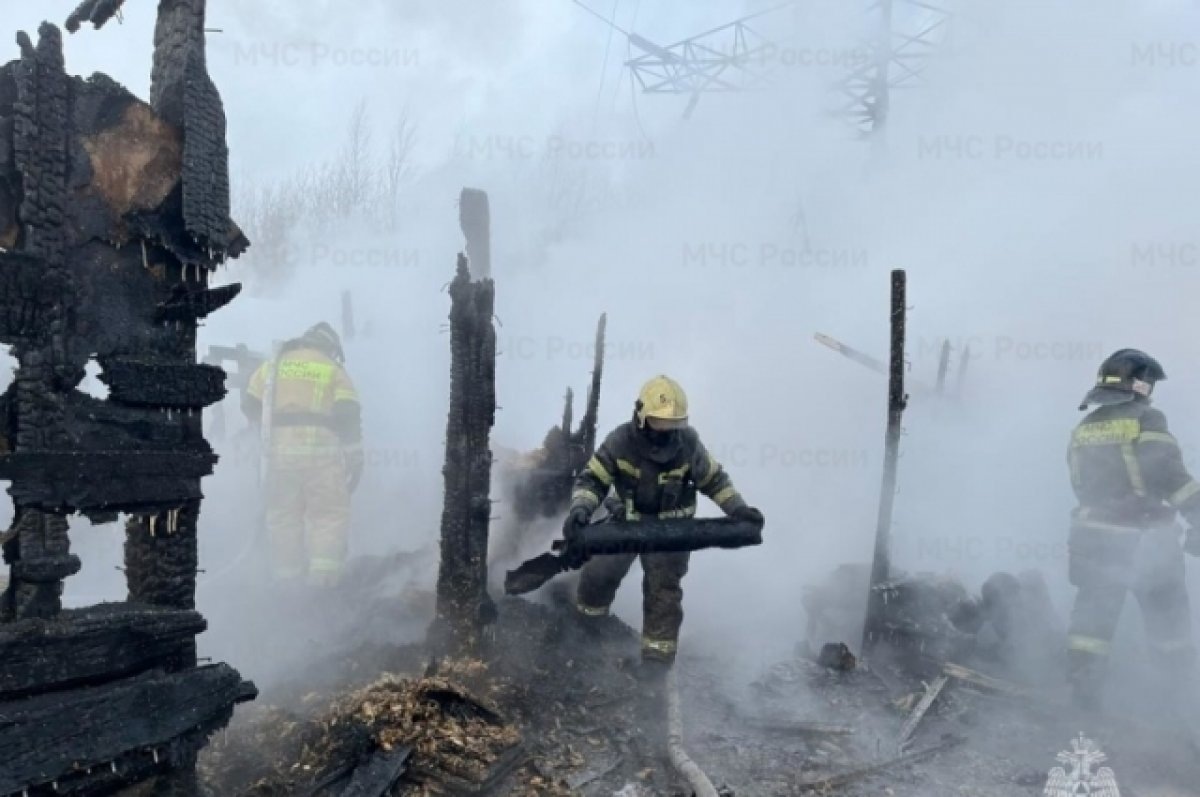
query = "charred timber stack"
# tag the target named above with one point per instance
(463, 603)
(543, 489)
(113, 215)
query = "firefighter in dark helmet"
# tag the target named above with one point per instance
(1131, 483)
(655, 464)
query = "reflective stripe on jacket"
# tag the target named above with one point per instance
(308, 385)
(646, 486)
(1127, 469)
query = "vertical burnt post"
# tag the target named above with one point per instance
(39, 549)
(881, 561)
(463, 603)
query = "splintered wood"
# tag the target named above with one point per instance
(458, 740)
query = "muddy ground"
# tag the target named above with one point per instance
(571, 691)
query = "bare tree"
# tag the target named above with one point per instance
(398, 168)
(355, 183)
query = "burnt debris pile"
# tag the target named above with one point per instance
(551, 708)
(114, 213)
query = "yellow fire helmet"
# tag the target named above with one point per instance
(662, 404)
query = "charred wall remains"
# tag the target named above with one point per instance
(114, 214)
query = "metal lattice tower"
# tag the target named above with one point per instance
(731, 57)
(909, 32)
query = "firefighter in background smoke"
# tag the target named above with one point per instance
(315, 454)
(656, 464)
(1130, 481)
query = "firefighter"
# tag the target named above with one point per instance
(1131, 483)
(655, 463)
(315, 454)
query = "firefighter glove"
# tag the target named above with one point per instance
(573, 527)
(577, 520)
(749, 514)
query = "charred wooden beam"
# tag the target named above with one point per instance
(182, 93)
(187, 303)
(105, 480)
(932, 692)
(161, 557)
(40, 555)
(162, 384)
(52, 737)
(897, 400)
(91, 645)
(463, 603)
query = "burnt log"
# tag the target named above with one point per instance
(652, 535)
(91, 645)
(48, 738)
(655, 535)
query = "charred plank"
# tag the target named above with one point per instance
(48, 737)
(96, 644)
(188, 304)
(163, 384)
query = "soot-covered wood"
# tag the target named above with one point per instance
(463, 603)
(80, 646)
(114, 216)
(48, 737)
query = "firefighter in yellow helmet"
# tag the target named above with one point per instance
(655, 464)
(315, 454)
(1131, 482)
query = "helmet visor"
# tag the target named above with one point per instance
(665, 424)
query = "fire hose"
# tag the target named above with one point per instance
(684, 765)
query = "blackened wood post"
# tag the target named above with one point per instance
(881, 562)
(463, 604)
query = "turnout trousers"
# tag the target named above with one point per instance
(662, 596)
(308, 517)
(1107, 564)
